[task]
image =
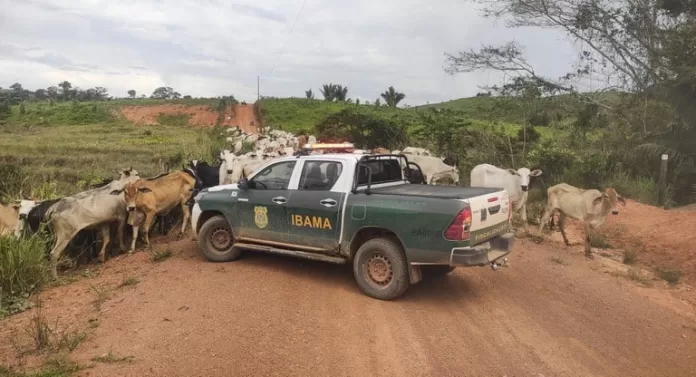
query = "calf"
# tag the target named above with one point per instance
(515, 182)
(95, 208)
(589, 206)
(156, 196)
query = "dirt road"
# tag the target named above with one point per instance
(269, 315)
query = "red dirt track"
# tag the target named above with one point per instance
(272, 315)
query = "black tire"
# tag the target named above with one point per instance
(221, 249)
(380, 269)
(436, 271)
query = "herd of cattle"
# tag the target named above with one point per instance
(135, 202)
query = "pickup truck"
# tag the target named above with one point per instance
(358, 209)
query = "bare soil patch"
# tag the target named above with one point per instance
(273, 315)
(201, 115)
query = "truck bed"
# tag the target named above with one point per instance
(434, 191)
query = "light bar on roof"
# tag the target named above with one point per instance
(329, 146)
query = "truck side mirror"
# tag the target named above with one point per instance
(243, 184)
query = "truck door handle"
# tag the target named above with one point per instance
(279, 200)
(327, 202)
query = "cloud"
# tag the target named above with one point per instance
(209, 47)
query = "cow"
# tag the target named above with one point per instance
(94, 208)
(209, 175)
(33, 213)
(515, 182)
(152, 197)
(416, 151)
(380, 150)
(8, 219)
(434, 169)
(589, 206)
(228, 158)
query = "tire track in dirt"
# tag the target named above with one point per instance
(269, 315)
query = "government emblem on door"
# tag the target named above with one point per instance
(261, 216)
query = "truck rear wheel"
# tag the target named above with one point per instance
(380, 269)
(217, 241)
(436, 271)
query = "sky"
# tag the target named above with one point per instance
(207, 48)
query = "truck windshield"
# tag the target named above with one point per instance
(387, 170)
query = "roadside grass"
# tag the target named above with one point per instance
(111, 358)
(66, 159)
(128, 282)
(58, 366)
(671, 276)
(23, 270)
(158, 255)
(633, 275)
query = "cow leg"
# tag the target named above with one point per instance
(135, 237)
(548, 212)
(121, 231)
(523, 213)
(588, 250)
(106, 237)
(561, 226)
(146, 226)
(58, 248)
(185, 216)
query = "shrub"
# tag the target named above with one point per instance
(23, 267)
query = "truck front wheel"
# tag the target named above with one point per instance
(217, 241)
(380, 269)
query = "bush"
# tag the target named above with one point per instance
(365, 128)
(553, 160)
(641, 189)
(23, 268)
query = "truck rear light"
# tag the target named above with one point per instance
(458, 230)
(492, 199)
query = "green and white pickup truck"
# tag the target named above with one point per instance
(359, 209)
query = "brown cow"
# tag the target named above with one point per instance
(156, 196)
(380, 150)
(9, 216)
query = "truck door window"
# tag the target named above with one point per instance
(274, 177)
(382, 171)
(320, 175)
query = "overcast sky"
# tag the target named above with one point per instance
(211, 48)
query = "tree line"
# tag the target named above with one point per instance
(339, 93)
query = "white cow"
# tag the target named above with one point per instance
(515, 182)
(416, 151)
(434, 169)
(95, 208)
(228, 158)
(23, 208)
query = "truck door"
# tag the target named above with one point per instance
(261, 208)
(314, 209)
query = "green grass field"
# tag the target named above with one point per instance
(72, 156)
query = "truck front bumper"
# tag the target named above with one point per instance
(484, 253)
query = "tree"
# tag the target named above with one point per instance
(378, 103)
(645, 47)
(334, 92)
(65, 89)
(328, 91)
(163, 92)
(52, 92)
(131, 93)
(309, 94)
(41, 94)
(17, 87)
(363, 127)
(392, 97)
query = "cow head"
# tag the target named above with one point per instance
(128, 175)
(130, 193)
(524, 174)
(610, 198)
(228, 159)
(22, 207)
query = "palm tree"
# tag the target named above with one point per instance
(392, 97)
(309, 94)
(329, 92)
(341, 93)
